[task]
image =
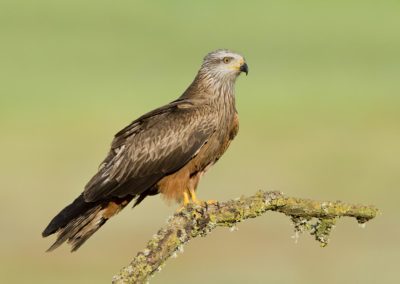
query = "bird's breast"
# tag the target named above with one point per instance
(226, 130)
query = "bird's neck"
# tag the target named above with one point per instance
(211, 86)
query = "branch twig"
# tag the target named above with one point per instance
(318, 218)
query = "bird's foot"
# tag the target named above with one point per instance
(212, 202)
(197, 201)
(180, 209)
(190, 198)
(186, 201)
(194, 199)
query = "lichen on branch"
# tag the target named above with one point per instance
(317, 218)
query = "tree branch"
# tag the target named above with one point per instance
(317, 218)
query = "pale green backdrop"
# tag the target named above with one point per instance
(319, 118)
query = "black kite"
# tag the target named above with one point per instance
(164, 151)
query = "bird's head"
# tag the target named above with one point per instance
(224, 64)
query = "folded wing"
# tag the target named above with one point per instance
(153, 146)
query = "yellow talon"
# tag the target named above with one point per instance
(194, 197)
(190, 197)
(212, 202)
(186, 199)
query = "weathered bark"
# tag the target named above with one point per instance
(316, 217)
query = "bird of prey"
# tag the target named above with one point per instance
(164, 151)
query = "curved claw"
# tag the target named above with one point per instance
(186, 201)
(189, 197)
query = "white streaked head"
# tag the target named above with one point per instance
(224, 64)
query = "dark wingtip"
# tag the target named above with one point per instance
(52, 227)
(66, 215)
(48, 231)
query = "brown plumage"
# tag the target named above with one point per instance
(164, 151)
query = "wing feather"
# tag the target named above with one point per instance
(153, 146)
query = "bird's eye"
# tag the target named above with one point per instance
(226, 60)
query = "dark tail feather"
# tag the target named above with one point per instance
(80, 220)
(64, 217)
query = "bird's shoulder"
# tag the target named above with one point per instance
(178, 113)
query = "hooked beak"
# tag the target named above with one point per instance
(244, 68)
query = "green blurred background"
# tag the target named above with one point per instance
(319, 118)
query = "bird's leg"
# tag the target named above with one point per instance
(194, 197)
(189, 196)
(186, 199)
(199, 202)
